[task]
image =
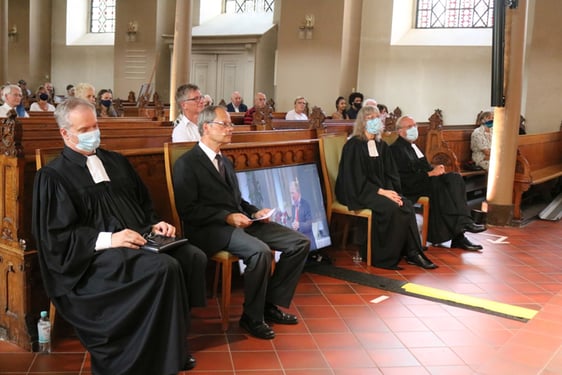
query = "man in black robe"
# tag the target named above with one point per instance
(368, 178)
(449, 216)
(129, 307)
(216, 217)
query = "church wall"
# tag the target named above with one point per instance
(74, 64)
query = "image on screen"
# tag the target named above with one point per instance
(279, 187)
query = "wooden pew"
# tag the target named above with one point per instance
(539, 160)
(21, 290)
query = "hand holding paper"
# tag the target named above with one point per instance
(266, 216)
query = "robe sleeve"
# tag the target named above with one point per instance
(412, 170)
(65, 248)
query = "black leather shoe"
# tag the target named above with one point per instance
(474, 228)
(190, 363)
(465, 244)
(419, 259)
(273, 314)
(256, 328)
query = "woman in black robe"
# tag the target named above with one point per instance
(368, 178)
(129, 307)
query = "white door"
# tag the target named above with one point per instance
(220, 74)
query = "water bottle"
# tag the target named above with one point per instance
(44, 331)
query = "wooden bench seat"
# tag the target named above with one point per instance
(539, 160)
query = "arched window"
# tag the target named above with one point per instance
(102, 16)
(454, 14)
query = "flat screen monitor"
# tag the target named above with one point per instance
(278, 187)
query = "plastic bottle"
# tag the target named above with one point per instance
(44, 331)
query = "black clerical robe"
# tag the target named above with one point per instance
(448, 213)
(360, 176)
(129, 307)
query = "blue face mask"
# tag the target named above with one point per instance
(106, 103)
(374, 126)
(412, 134)
(88, 141)
(489, 123)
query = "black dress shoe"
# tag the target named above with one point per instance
(273, 314)
(256, 328)
(465, 244)
(474, 228)
(419, 259)
(190, 363)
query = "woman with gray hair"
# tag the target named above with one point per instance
(368, 178)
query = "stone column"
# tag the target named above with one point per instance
(3, 41)
(506, 121)
(181, 55)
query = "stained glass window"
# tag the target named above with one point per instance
(249, 6)
(102, 16)
(454, 14)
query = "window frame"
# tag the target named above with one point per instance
(404, 33)
(78, 26)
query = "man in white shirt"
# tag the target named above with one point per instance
(11, 96)
(191, 103)
(236, 104)
(299, 112)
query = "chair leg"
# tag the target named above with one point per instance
(226, 289)
(52, 318)
(369, 236)
(216, 279)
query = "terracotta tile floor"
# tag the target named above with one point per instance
(341, 332)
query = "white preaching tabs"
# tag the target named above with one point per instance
(418, 152)
(373, 152)
(96, 168)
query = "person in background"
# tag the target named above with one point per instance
(449, 215)
(522, 126)
(216, 217)
(298, 112)
(208, 100)
(104, 104)
(481, 139)
(53, 99)
(260, 101)
(70, 90)
(24, 90)
(355, 100)
(341, 109)
(236, 104)
(85, 91)
(368, 178)
(12, 98)
(129, 307)
(191, 103)
(383, 109)
(42, 104)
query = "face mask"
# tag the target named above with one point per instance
(88, 141)
(412, 134)
(106, 103)
(374, 126)
(43, 96)
(357, 105)
(489, 123)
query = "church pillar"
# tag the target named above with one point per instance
(181, 55)
(506, 121)
(3, 41)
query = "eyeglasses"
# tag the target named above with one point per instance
(223, 124)
(195, 99)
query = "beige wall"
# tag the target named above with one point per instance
(418, 79)
(74, 64)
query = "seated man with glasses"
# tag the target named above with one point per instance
(299, 112)
(449, 215)
(216, 217)
(191, 103)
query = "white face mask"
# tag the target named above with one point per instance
(88, 141)
(412, 133)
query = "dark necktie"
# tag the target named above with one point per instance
(221, 166)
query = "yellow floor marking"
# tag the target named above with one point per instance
(503, 308)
